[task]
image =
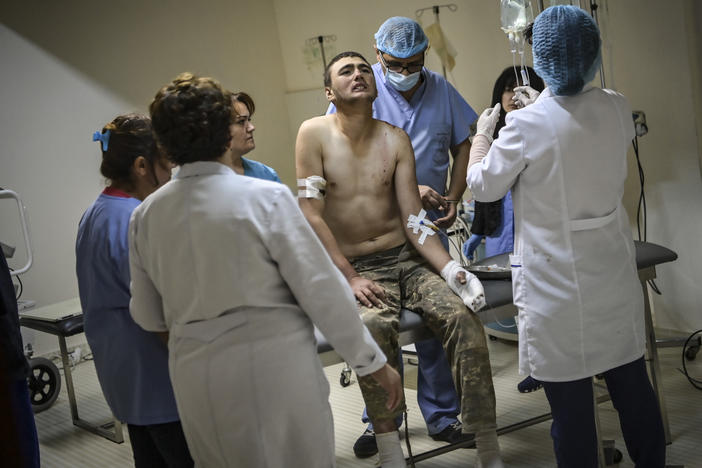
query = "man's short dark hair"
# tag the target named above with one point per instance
(191, 117)
(349, 53)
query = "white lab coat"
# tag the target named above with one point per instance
(574, 267)
(230, 267)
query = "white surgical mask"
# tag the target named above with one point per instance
(402, 82)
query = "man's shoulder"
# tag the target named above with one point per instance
(321, 121)
(391, 131)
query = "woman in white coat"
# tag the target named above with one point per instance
(573, 268)
(228, 265)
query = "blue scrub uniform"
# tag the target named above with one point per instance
(436, 118)
(502, 240)
(259, 170)
(131, 363)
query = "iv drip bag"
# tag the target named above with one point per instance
(515, 15)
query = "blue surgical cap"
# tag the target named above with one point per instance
(566, 48)
(401, 37)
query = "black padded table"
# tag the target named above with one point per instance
(498, 295)
(63, 320)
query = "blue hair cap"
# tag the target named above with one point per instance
(566, 48)
(401, 37)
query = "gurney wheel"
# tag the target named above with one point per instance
(345, 378)
(44, 383)
(612, 456)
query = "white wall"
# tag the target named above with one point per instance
(473, 30)
(70, 67)
(652, 67)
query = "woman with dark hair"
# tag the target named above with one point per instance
(243, 140)
(131, 364)
(494, 220)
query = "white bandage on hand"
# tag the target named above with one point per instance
(471, 292)
(311, 187)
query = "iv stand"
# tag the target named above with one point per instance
(451, 7)
(593, 12)
(320, 40)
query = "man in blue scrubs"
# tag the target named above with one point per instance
(437, 120)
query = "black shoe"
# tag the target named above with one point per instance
(528, 385)
(453, 434)
(365, 445)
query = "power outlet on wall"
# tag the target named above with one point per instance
(640, 123)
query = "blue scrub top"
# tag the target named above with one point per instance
(436, 118)
(502, 240)
(131, 363)
(259, 170)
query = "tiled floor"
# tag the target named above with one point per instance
(63, 445)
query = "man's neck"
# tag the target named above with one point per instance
(354, 119)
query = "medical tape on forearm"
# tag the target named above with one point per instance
(311, 187)
(421, 223)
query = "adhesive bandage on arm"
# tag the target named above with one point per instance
(421, 223)
(471, 292)
(311, 187)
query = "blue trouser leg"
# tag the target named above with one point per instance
(25, 431)
(573, 428)
(639, 415)
(436, 393)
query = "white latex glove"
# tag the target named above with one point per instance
(488, 121)
(524, 95)
(471, 292)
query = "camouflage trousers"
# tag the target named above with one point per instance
(410, 283)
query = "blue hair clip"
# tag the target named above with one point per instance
(103, 137)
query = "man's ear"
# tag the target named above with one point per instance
(329, 93)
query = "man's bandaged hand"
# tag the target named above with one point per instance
(471, 292)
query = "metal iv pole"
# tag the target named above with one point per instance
(451, 6)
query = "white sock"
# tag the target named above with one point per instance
(488, 450)
(390, 450)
